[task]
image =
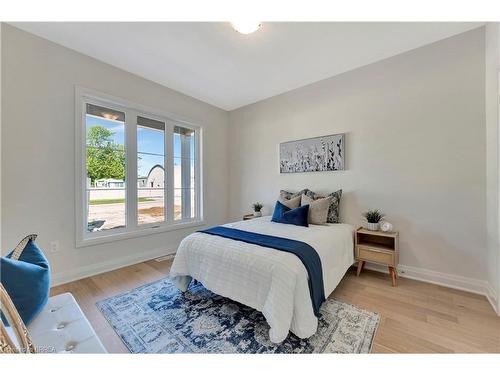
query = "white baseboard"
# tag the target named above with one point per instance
(95, 269)
(492, 296)
(466, 284)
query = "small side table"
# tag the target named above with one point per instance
(249, 217)
(377, 247)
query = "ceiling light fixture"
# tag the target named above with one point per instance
(246, 27)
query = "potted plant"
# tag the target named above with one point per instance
(257, 206)
(373, 218)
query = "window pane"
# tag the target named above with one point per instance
(193, 203)
(191, 165)
(150, 171)
(177, 204)
(184, 173)
(150, 139)
(106, 168)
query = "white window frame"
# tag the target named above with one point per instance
(132, 228)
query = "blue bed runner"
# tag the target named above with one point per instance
(303, 251)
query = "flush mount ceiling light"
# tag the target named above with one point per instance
(246, 27)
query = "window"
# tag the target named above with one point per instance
(137, 170)
(105, 166)
(150, 170)
(184, 176)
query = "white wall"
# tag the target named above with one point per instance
(0, 135)
(492, 52)
(415, 127)
(38, 159)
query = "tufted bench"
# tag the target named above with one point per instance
(62, 327)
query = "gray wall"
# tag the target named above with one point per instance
(0, 134)
(38, 160)
(415, 127)
(492, 59)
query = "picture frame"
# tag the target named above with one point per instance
(317, 154)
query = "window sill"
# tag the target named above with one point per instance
(139, 232)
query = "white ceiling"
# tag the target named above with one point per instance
(212, 62)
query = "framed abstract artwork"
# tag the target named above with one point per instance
(326, 153)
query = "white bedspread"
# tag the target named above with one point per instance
(269, 280)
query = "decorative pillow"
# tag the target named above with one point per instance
(333, 211)
(284, 215)
(293, 202)
(25, 275)
(287, 195)
(318, 209)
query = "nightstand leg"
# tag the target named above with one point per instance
(360, 267)
(392, 272)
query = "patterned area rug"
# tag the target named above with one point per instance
(158, 318)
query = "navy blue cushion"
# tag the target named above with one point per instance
(279, 210)
(26, 280)
(284, 215)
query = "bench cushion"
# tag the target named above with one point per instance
(61, 327)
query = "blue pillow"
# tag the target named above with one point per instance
(25, 274)
(284, 215)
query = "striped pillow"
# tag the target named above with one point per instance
(287, 195)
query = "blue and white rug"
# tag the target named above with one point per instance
(158, 318)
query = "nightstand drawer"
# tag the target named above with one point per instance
(375, 255)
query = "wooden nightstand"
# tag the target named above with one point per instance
(377, 247)
(249, 217)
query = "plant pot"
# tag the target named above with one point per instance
(257, 214)
(372, 226)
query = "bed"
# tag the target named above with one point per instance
(269, 280)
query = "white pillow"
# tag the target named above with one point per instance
(318, 209)
(291, 203)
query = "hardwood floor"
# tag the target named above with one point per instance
(416, 317)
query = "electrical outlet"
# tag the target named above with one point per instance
(54, 246)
